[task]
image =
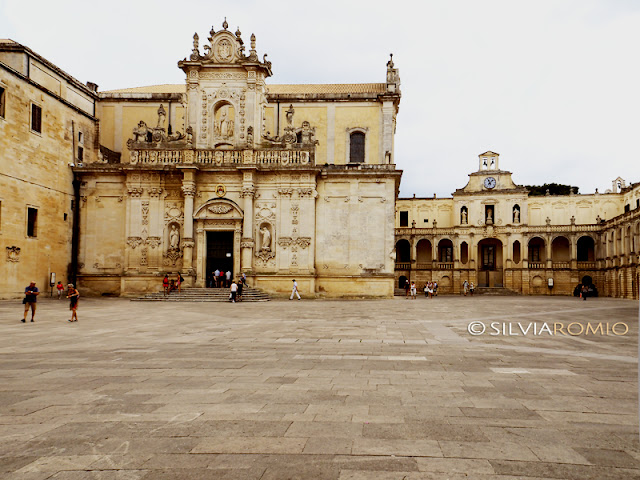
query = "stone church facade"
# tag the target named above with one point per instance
(227, 172)
(492, 233)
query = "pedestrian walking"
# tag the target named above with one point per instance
(30, 298)
(472, 287)
(465, 287)
(240, 287)
(60, 289)
(413, 290)
(73, 295)
(216, 278)
(165, 285)
(407, 289)
(228, 277)
(221, 282)
(435, 288)
(234, 291)
(585, 292)
(244, 279)
(179, 281)
(294, 290)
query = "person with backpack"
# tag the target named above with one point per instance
(179, 281)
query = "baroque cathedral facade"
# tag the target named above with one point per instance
(227, 171)
(279, 182)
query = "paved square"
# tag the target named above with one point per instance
(388, 389)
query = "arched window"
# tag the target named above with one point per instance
(516, 252)
(356, 147)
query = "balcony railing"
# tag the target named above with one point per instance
(561, 265)
(586, 265)
(424, 266)
(537, 265)
(261, 157)
(444, 265)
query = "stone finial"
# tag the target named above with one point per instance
(253, 41)
(225, 25)
(238, 32)
(390, 62)
(195, 54)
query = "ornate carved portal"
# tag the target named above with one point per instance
(217, 221)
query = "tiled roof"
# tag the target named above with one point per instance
(301, 89)
(166, 88)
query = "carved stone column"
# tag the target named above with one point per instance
(189, 192)
(247, 242)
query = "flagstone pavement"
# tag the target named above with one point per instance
(374, 390)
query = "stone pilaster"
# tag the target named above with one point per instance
(189, 192)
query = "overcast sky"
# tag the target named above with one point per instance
(553, 86)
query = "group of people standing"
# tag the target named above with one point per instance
(30, 300)
(220, 279)
(430, 289)
(171, 284)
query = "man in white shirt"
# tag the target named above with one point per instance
(294, 291)
(228, 275)
(216, 276)
(234, 290)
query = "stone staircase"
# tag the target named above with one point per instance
(498, 291)
(204, 295)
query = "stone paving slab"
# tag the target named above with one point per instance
(380, 389)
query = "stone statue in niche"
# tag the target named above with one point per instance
(250, 135)
(463, 217)
(174, 238)
(265, 244)
(516, 215)
(224, 125)
(489, 215)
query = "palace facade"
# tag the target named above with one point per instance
(494, 234)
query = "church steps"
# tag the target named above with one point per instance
(204, 295)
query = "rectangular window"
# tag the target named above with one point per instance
(2, 100)
(404, 219)
(80, 138)
(36, 118)
(32, 222)
(80, 154)
(627, 208)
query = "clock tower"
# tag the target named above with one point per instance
(489, 178)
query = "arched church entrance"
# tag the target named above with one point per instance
(218, 226)
(490, 268)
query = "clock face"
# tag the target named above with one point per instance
(489, 182)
